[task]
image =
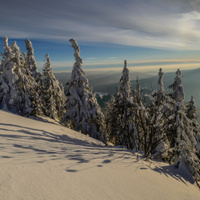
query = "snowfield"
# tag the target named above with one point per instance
(45, 161)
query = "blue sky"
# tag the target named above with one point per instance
(161, 33)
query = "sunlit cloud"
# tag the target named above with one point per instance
(117, 65)
(156, 24)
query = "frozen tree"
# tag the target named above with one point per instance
(60, 101)
(191, 109)
(8, 79)
(7, 55)
(180, 133)
(31, 63)
(17, 92)
(111, 119)
(53, 96)
(160, 81)
(177, 87)
(157, 117)
(185, 146)
(120, 115)
(177, 104)
(191, 112)
(142, 119)
(82, 109)
(125, 85)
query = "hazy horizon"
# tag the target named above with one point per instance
(146, 33)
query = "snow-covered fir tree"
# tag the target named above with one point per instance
(177, 104)
(138, 106)
(191, 113)
(111, 118)
(52, 95)
(177, 87)
(17, 92)
(182, 138)
(31, 65)
(30, 59)
(82, 109)
(8, 78)
(125, 85)
(157, 113)
(141, 117)
(120, 115)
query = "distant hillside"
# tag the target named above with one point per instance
(108, 82)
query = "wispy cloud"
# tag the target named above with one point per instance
(117, 65)
(91, 58)
(172, 24)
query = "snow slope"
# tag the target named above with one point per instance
(45, 161)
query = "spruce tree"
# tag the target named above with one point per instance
(191, 113)
(111, 119)
(183, 142)
(16, 85)
(82, 109)
(142, 120)
(139, 119)
(30, 59)
(157, 113)
(31, 66)
(52, 96)
(8, 80)
(120, 114)
(125, 85)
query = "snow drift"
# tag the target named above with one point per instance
(46, 161)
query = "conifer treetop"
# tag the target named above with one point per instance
(191, 109)
(76, 53)
(7, 50)
(5, 41)
(31, 58)
(178, 72)
(16, 51)
(192, 100)
(160, 80)
(125, 86)
(47, 71)
(179, 86)
(178, 92)
(14, 45)
(29, 47)
(78, 74)
(48, 63)
(125, 63)
(47, 57)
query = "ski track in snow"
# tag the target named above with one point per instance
(46, 161)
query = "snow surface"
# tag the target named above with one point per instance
(45, 161)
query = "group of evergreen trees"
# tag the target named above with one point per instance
(25, 91)
(161, 127)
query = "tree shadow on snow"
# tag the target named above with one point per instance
(47, 146)
(49, 136)
(181, 174)
(63, 147)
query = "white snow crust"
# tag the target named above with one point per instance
(45, 161)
